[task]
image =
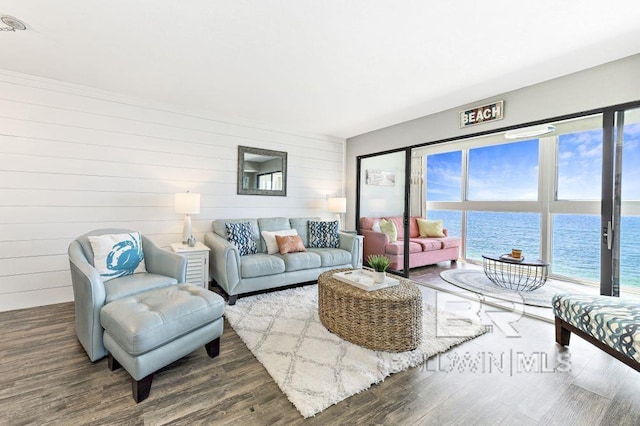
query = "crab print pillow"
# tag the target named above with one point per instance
(117, 255)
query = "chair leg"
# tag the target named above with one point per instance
(112, 363)
(562, 334)
(213, 348)
(141, 388)
(233, 299)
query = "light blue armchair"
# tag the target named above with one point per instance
(91, 294)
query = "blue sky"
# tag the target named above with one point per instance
(510, 171)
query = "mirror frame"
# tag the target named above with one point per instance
(259, 151)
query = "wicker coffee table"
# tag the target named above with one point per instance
(387, 320)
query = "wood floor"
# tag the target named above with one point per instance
(46, 378)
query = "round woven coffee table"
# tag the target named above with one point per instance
(389, 319)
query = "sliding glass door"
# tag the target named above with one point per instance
(383, 192)
(620, 222)
(569, 196)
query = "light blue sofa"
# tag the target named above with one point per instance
(261, 271)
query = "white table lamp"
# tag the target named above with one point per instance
(187, 203)
(338, 206)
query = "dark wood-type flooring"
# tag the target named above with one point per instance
(46, 378)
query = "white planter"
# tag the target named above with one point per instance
(379, 277)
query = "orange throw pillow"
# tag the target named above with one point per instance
(290, 243)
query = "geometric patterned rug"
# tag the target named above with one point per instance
(477, 282)
(316, 368)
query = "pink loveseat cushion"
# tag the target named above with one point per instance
(427, 244)
(397, 248)
(448, 242)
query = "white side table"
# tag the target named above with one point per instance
(197, 262)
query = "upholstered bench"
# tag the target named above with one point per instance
(610, 323)
(147, 331)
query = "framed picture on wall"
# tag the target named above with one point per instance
(380, 178)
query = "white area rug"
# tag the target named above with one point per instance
(316, 368)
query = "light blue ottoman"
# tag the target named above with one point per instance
(147, 331)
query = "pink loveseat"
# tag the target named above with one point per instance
(422, 250)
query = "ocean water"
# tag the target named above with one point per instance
(576, 241)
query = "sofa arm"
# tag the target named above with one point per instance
(163, 262)
(224, 262)
(89, 297)
(352, 243)
(374, 242)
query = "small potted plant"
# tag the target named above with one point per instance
(379, 263)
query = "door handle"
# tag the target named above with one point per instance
(608, 235)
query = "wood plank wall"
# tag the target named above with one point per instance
(74, 159)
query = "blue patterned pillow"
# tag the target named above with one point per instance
(323, 234)
(241, 236)
(117, 255)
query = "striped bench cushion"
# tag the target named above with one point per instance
(613, 321)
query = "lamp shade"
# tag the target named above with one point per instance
(337, 205)
(187, 203)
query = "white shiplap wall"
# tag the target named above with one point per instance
(73, 159)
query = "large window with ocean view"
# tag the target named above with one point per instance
(539, 194)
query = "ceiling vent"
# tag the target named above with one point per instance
(13, 23)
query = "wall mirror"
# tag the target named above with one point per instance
(262, 171)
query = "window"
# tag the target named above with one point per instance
(504, 172)
(580, 165)
(270, 181)
(498, 232)
(540, 195)
(576, 246)
(451, 220)
(444, 176)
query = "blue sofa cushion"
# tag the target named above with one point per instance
(300, 260)
(323, 234)
(331, 256)
(220, 228)
(261, 264)
(241, 236)
(612, 320)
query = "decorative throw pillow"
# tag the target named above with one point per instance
(389, 228)
(117, 255)
(376, 226)
(241, 236)
(290, 244)
(323, 234)
(430, 228)
(270, 239)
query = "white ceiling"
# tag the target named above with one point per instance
(336, 67)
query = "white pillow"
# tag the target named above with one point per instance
(376, 226)
(117, 255)
(270, 239)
